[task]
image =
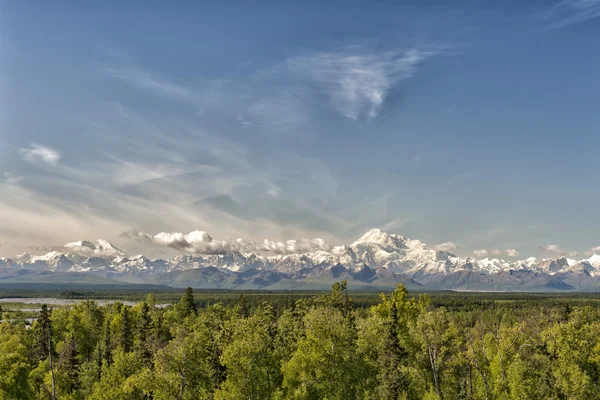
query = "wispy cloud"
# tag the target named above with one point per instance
(354, 81)
(593, 250)
(556, 250)
(200, 242)
(157, 177)
(358, 80)
(11, 178)
(487, 252)
(552, 248)
(480, 253)
(37, 153)
(145, 80)
(570, 12)
(512, 253)
(446, 246)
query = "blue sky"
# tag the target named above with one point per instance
(475, 123)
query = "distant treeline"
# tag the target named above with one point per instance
(305, 345)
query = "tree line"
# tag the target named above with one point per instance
(319, 347)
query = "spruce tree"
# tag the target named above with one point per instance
(391, 380)
(126, 334)
(69, 364)
(144, 333)
(43, 344)
(243, 308)
(188, 303)
(107, 356)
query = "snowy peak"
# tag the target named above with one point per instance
(594, 261)
(377, 236)
(7, 263)
(374, 251)
(23, 257)
(97, 247)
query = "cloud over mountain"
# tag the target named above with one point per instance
(377, 258)
(512, 253)
(593, 250)
(486, 252)
(555, 249)
(200, 242)
(446, 246)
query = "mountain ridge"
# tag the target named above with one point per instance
(376, 259)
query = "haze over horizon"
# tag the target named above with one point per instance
(473, 125)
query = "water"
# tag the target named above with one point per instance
(52, 301)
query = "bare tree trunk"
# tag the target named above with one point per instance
(434, 368)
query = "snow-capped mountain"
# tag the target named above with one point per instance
(372, 256)
(98, 247)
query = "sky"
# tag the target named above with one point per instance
(471, 125)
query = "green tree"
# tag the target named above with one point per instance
(107, 348)
(126, 333)
(182, 369)
(188, 303)
(573, 346)
(14, 363)
(68, 365)
(385, 343)
(44, 345)
(437, 338)
(119, 381)
(85, 326)
(250, 359)
(144, 332)
(325, 365)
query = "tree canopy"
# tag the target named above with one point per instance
(327, 346)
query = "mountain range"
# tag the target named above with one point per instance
(377, 260)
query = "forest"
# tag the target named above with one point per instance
(315, 346)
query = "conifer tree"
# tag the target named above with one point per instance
(242, 305)
(144, 333)
(107, 355)
(44, 345)
(68, 363)
(126, 334)
(188, 303)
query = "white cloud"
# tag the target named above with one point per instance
(294, 246)
(200, 242)
(37, 153)
(481, 253)
(357, 80)
(11, 178)
(552, 248)
(556, 250)
(593, 250)
(132, 234)
(570, 12)
(147, 81)
(487, 252)
(512, 253)
(274, 191)
(447, 246)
